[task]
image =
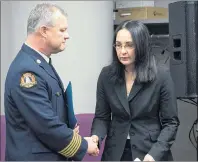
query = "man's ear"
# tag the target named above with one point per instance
(43, 31)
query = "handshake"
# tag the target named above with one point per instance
(92, 141)
(92, 149)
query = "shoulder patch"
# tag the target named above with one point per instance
(28, 80)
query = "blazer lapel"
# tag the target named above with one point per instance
(134, 91)
(120, 90)
(59, 79)
(48, 69)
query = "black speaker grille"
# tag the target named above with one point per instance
(191, 46)
(183, 34)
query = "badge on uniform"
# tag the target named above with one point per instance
(28, 80)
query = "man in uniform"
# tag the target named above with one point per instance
(37, 125)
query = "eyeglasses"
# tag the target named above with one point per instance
(128, 46)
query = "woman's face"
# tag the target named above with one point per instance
(125, 48)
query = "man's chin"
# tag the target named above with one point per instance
(58, 51)
(62, 49)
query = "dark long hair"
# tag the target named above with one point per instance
(145, 65)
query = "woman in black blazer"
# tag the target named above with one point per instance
(136, 105)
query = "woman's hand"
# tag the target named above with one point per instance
(76, 129)
(148, 158)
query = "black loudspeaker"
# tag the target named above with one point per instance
(183, 39)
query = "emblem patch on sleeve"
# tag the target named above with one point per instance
(28, 80)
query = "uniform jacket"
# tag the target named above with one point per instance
(36, 112)
(149, 115)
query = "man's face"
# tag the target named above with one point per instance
(58, 34)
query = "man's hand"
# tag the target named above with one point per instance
(148, 158)
(76, 129)
(92, 147)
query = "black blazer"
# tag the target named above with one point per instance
(149, 115)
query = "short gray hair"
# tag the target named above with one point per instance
(42, 14)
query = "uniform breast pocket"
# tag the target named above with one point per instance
(58, 99)
(55, 100)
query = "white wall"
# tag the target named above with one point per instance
(142, 3)
(137, 3)
(6, 46)
(87, 51)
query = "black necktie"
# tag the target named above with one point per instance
(50, 61)
(56, 74)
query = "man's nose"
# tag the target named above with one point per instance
(66, 35)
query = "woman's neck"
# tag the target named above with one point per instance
(130, 68)
(130, 72)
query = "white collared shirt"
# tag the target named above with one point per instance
(128, 137)
(43, 55)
